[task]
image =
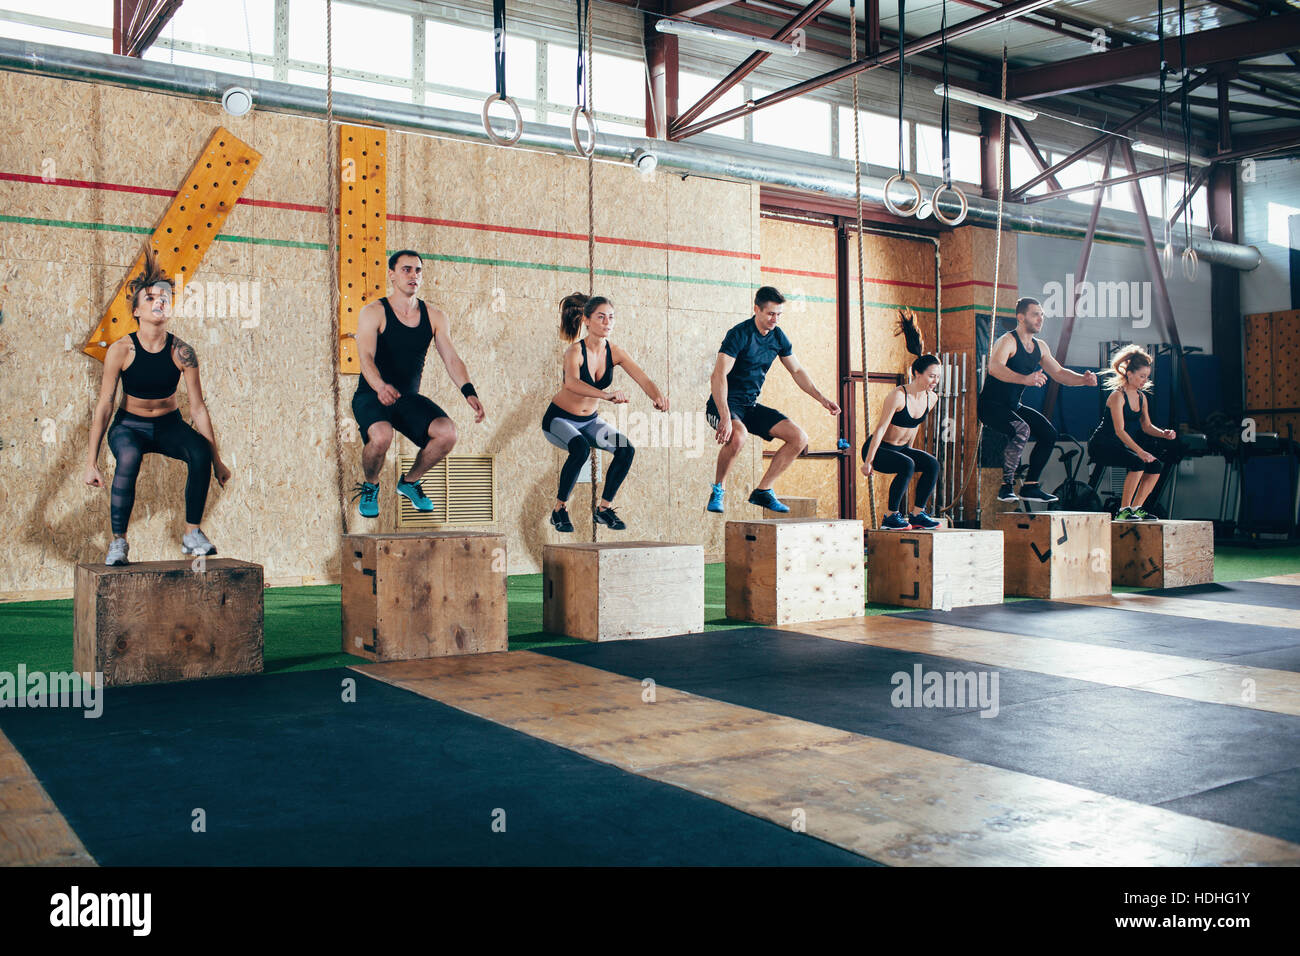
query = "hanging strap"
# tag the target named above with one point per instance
(499, 41)
(944, 121)
(584, 14)
(902, 42)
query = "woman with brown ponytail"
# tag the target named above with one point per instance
(1125, 436)
(571, 422)
(890, 448)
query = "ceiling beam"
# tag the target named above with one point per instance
(1008, 12)
(1259, 38)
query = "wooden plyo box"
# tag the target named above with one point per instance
(412, 595)
(787, 570)
(1162, 554)
(1056, 554)
(799, 507)
(160, 621)
(614, 591)
(934, 569)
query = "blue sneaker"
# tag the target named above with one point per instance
(766, 499)
(923, 521)
(895, 522)
(715, 500)
(415, 494)
(368, 492)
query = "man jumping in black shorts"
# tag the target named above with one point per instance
(393, 336)
(1014, 364)
(743, 360)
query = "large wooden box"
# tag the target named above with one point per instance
(160, 621)
(942, 569)
(619, 590)
(1056, 554)
(424, 594)
(1162, 554)
(787, 570)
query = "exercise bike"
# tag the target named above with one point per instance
(1073, 494)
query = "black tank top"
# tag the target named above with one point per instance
(400, 351)
(1132, 421)
(151, 374)
(901, 417)
(608, 376)
(1023, 362)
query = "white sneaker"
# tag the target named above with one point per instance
(117, 552)
(196, 542)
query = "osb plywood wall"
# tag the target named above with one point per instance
(799, 259)
(503, 232)
(899, 273)
(969, 256)
(1273, 369)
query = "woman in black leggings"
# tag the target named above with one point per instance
(890, 448)
(1125, 436)
(150, 362)
(571, 422)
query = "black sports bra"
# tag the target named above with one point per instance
(901, 417)
(585, 374)
(151, 374)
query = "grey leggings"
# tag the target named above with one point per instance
(578, 435)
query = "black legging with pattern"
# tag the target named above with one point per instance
(131, 437)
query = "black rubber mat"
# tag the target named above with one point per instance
(285, 773)
(1257, 593)
(1204, 639)
(1140, 746)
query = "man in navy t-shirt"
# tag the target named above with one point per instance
(743, 360)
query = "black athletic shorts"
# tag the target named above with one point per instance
(758, 419)
(411, 415)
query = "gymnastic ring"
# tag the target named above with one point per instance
(1167, 260)
(893, 207)
(584, 151)
(938, 213)
(1191, 263)
(487, 123)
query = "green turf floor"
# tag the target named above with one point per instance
(302, 624)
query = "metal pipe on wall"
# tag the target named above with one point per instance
(734, 161)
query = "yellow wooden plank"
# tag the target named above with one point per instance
(1222, 611)
(192, 221)
(32, 830)
(894, 803)
(1211, 682)
(363, 231)
(1292, 579)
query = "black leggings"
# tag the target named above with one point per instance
(1018, 424)
(1109, 450)
(902, 461)
(131, 437)
(579, 435)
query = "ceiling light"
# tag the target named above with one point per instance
(684, 28)
(988, 102)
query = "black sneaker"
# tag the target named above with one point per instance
(1035, 492)
(607, 517)
(1006, 494)
(561, 520)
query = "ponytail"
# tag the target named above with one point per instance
(1131, 358)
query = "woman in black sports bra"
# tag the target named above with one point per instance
(150, 362)
(571, 422)
(1125, 436)
(890, 448)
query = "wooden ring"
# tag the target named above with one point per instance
(893, 207)
(584, 151)
(1191, 263)
(938, 213)
(487, 123)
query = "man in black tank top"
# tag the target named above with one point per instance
(1014, 365)
(393, 337)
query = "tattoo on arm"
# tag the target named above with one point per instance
(185, 352)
